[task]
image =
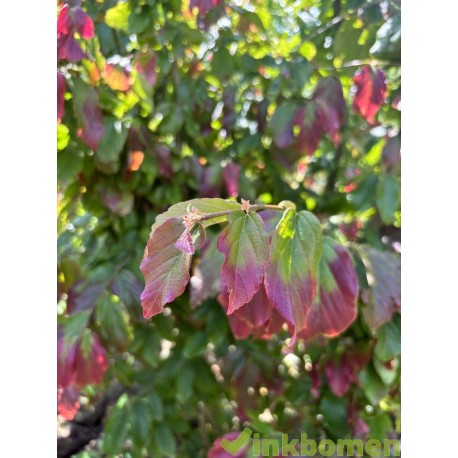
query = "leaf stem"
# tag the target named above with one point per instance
(253, 208)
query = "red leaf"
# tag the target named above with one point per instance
(231, 173)
(245, 246)
(83, 363)
(165, 267)
(91, 367)
(334, 308)
(370, 93)
(73, 20)
(68, 402)
(257, 318)
(60, 96)
(83, 23)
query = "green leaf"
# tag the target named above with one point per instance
(335, 413)
(291, 277)
(140, 420)
(195, 345)
(185, 383)
(389, 339)
(157, 407)
(165, 440)
(245, 247)
(114, 321)
(388, 197)
(373, 386)
(116, 427)
(113, 140)
(118, 16)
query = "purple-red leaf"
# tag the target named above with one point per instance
(370, 93)
(89, 114)
(384, 278)
(245, 246)
(325, 113)
(311, 130)
(257, 318)
(330, 106)
(165, 267)
(188, 242)
(291, 276)
(231, 173)
(335, 306)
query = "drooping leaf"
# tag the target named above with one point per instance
(335, 305)
(291, 276)
(89, 114)
(257, 318)
(384, 278)
(245, 246)
(165, 267)
(205, 205)
(370, 93)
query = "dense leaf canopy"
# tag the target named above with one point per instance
(176, 329)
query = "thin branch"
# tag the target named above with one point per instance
(196, 217)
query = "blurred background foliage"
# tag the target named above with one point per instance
(164, 101)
